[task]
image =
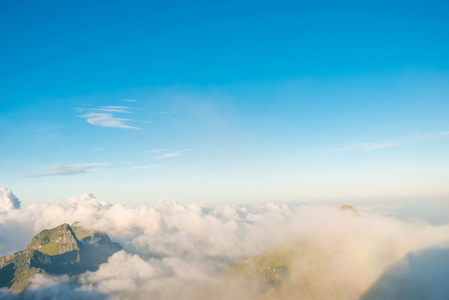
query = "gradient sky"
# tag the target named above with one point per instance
(231, 101)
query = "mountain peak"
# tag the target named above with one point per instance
(349, 208)
(57, 251)
(58, 240)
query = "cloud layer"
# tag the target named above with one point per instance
(175, 251)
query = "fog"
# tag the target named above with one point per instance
(175, 251)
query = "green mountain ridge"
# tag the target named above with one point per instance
(64, 249)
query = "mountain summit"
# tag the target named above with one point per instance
(64, 249)
(350, 209)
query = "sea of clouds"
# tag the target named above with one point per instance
(175, 251)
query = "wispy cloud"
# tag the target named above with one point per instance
(157, 150)
(104, 116)
(107, 120)
(410, 139)
(173, 154)
(129, 100)
(112, 110)
(168, 155)
(116, 107)
(58, 170)
(144, 167)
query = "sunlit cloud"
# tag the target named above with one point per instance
(59, 170)
(406, 140)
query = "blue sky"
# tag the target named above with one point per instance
(236, 101)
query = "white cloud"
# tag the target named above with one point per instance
(57, 170)
(44, 286)
(410, 139)
(86, 199)
(45, 280)
(8, 200)
(129, 100)
(169, 278)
